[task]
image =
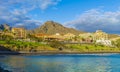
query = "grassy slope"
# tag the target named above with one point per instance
(25, 46)
(91, 48)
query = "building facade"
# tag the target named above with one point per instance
(19, 33)
(100, 35)
(86, 37)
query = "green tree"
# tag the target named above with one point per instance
(56, 44)
(32, 37)
(6, 37)
(117, 43)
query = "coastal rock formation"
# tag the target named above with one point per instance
(2, 70)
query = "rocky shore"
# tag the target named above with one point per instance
(3, 70)
(55, 52)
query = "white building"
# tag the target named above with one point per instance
(104, 42)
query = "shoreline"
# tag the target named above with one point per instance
(3, 70)
(54, 53)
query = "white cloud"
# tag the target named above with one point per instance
(94, 19)
(17, 18)
(29, 4)
(14, 12)
(45, 3)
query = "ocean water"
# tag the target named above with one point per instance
(62, 63)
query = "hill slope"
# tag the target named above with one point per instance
(5, 27)
(51, 27)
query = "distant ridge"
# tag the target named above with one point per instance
(5, 27)
(51, 27)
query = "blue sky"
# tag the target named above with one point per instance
(86, 15)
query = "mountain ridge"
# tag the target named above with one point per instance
(51, 27)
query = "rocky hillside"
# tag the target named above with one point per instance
(51, 27)
(5, 27)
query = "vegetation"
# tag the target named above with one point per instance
(112, 36)
(91, 48)
(25, 46)
(56, 44)
(36, 44)
(6, 37)
(9, 43)
(32, 37)
(117, 43)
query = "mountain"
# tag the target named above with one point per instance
(5, 27)
(51, 27)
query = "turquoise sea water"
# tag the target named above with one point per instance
(62, 63)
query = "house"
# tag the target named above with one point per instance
(100, 35)
(1, 32)
(104, 42)
(56, 36)
(86, 37)
(41, 35)
(19, 33)
(69, 36)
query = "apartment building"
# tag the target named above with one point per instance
(19, 33)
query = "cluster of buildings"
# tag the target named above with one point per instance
(98, 37)
(17, 33)
(56, 36)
